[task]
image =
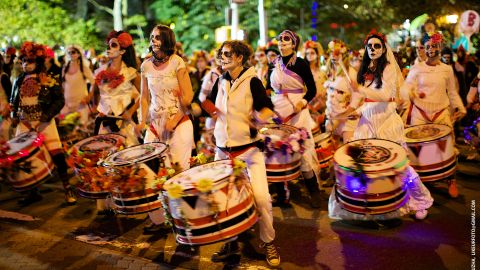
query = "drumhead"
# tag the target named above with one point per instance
(215, 170)
(375, 155)
(100, 143)
(21, 142)
(426, 132)
(280, 131)
(136, 154)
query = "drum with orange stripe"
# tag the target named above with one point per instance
(431, 151)
(83, 158)
(210, 203)
(370, 176)
(282, 162)
(324, 148)
(134, 188)
(27, 162)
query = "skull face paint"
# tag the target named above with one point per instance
(155, 40)
(114, 49)
(433, 49)
(374, 48)
(285, 44)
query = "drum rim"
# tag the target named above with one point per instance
(276, 125)
(9, 153)
(79, 143)
(106, 162)
(409, 141)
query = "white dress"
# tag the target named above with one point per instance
(75, 90)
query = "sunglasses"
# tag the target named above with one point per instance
(28, 61)
(375, 46)
(432, 46)
(72, 52)
(226, 54)
(284, 38)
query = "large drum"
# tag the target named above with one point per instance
(133, 182)
(26, 161)
(84, 157)
(324, 147)
(431, 151)
(370, 176)
(208, 203)
(282, 155)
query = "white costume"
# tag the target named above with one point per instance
(75, 90)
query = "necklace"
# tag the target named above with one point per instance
(157, 61)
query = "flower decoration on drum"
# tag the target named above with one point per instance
(198, 160)
(10, 163)
(110, 78)
(175, 191)
(47, 80)
(205, 185)
(287, 145)
(238, 166)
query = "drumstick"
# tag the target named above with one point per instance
(340, 62)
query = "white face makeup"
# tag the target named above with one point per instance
(432, 49)
(285, 44)
(114, 49)
(374, 48)
(271, 56)
(311, 55)
(155, 41)
(229, 61)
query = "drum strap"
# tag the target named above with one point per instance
(236, 151)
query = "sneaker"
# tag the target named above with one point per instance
(32, 197)
(70, 197)
(421, 214)
(228, 249)
(272, 256)
(452, 189)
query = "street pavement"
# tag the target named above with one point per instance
(50, 235)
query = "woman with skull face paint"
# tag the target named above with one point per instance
(431, 88)
(313, 52)
(233, 100)
(378, 80)
(288, 79)
(118, 83)
(166, 92)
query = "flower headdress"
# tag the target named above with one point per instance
(124, 39)
(376, 34)
(11, 51)
(433, 38)
(337, 47)
(31, 50)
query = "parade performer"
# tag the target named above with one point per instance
(75, 75)
(207, 85)
(378, 80)
(234, 98)
(166, 92)
(289, 77)
(431, 88)
(340, 99)
(36, 99)
(313, 52)
(262, 64)
(118, 83)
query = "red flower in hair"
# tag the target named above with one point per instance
(436, 38)
(32, 50)
(125, 40)
(310, 45)
(11, 50)
(374, 33)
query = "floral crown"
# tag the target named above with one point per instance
(310, 45)
(124, 39)
(376, 34)
(337, 47)
(434, 38)
(11, 50)
(31, 50)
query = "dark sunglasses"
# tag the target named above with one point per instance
(375, 46)
(226, 54)
(28, 60)
(284, 38)
(72, 52)
(432, 46)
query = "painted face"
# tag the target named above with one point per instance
(285, 44)
(114, 49)
(432, 49)
(155, 40)
(229, 61)
(311, 55)
(446, 59)
(271, 55)
(28, 65)
(261, 57)
(375, 48)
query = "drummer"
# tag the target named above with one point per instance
(289, 77)
(36, 99)
(377, 82)
(433, 93)
(166, 92)
(234, 98)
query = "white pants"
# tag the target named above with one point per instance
(258, 180)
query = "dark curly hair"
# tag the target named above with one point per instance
(382, 62)
(239, 48)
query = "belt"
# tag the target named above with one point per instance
(239, 148)
(289, 91)
(372, 100)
